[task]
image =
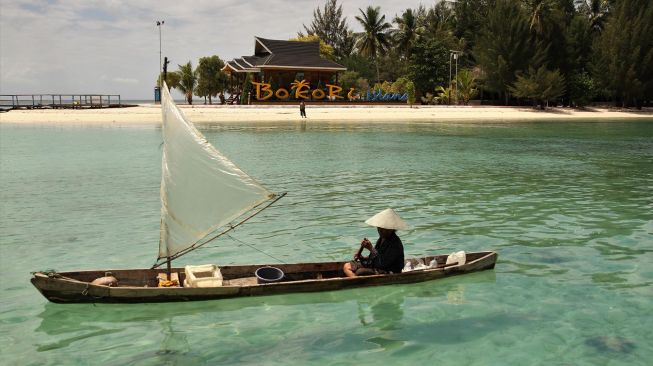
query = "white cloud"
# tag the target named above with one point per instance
(125, 81)
(67, 46)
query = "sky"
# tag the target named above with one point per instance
(112, 46)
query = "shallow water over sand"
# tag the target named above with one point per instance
(568, 206)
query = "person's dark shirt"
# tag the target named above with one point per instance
(389, 254)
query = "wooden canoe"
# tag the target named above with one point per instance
(140, 285)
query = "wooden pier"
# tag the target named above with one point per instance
(59, 101)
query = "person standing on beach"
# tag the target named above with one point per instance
(302, 109)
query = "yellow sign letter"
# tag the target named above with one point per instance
(334, 91)
(351, 95)
(301, 88)
(264, 87)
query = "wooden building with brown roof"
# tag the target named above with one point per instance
(279, 63)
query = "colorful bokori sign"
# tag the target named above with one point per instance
(302, 90)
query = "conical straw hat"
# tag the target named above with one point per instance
(387, 219)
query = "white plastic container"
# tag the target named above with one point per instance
(206, 275)
(459, 257)
(408, 267)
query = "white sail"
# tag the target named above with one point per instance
(201, 190)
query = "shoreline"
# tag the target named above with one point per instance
(150, 114)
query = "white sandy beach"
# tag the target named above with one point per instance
(151, 114)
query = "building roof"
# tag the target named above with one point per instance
(278, 54)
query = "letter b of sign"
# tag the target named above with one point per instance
(263, 87)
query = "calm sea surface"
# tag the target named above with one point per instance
(568, 206)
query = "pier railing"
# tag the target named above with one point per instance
(70, 101)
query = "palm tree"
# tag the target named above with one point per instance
(466, 86)
(375, 36)
(597, 11)
(408, 31)
(187, 81)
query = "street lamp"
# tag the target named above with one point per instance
(454, 54)
(159, 23)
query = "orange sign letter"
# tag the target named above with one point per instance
(301, 89)
(334, 91)
(264, 87)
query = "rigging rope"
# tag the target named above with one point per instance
(255, 248)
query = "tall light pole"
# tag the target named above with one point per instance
(455, 54)
(159, 23)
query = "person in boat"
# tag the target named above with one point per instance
(387, 256)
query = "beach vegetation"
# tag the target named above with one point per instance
(571, 52)
(331, 27)
(401, 85)
(623, 53)
(385, 87)
(246, 88)
(504, 46)
(348, 79)
(360, 64)
(582, 89)
(408, 31)
(211, 79)
(429, 65)
(540, 85)
(410, 90)
(326, 50)
(375, 38)
(443, 95)
(428, 98)
(187, 81)
(465, 86)
(171, 79)
(362, 84)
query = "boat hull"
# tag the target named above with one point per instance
(139, 285)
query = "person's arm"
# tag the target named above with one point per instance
(365, 244)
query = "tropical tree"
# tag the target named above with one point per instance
(466, 86)
(429, 65)
(410, 90)
(331, 27)
(326, 50)
(539, 85)
(581, 89)
(429, 98)
(360, 64)
(348, 79)
(504, 46)
(443, 95)
(212, 80)
(624, 53)
(401, 85)
(596, 12)
(408, 31)
(469, 17)
(172, 79)
(375, 37)
(540, 15)
(187, 81)
(437, 23)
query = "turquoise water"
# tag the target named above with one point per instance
(568, 206)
